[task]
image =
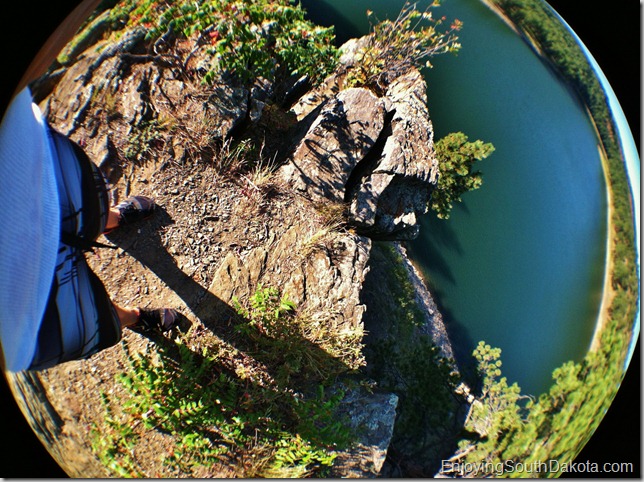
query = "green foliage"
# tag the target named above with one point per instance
(114, 446)
(424, 382)
(143, 140)
(268, 313)
(396, 46)
(90, 32)
(507, 426)
(217, 416)
(497, 412)
(173, 397)
(559, 423)
(408, 314)
(274, 36)
(456, 158)
(269, 324)
(248, 38)
(294, 455)
(318, 421)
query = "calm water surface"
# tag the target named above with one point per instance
(520, 263)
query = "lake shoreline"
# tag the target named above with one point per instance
(607, 291)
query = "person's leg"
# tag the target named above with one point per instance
(112, 219)
(132, 210)
(80, 318)
(127, 316)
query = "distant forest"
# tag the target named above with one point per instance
(540, 23)
(558, 424)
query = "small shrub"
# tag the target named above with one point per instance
(394, 47)
(406, 361)
(456, 158)
(114, 442)
(268, 313)
(143, 140)
(249, 39)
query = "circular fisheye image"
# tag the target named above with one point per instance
(266, 238)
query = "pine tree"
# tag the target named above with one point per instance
(456, 157)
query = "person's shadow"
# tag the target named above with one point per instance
(143, 242)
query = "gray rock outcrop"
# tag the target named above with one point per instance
(319, 276)
(372, 416)
(343, 131)
(373, 153)
(395, 187)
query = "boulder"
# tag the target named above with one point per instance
(396, 185)
(371, 417)
(374, 153)
(340, 136)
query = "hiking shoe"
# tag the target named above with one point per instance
(133, 209)
(163, 319)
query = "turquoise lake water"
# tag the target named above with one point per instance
(520, 263)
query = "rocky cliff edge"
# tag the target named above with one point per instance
(344, 167)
